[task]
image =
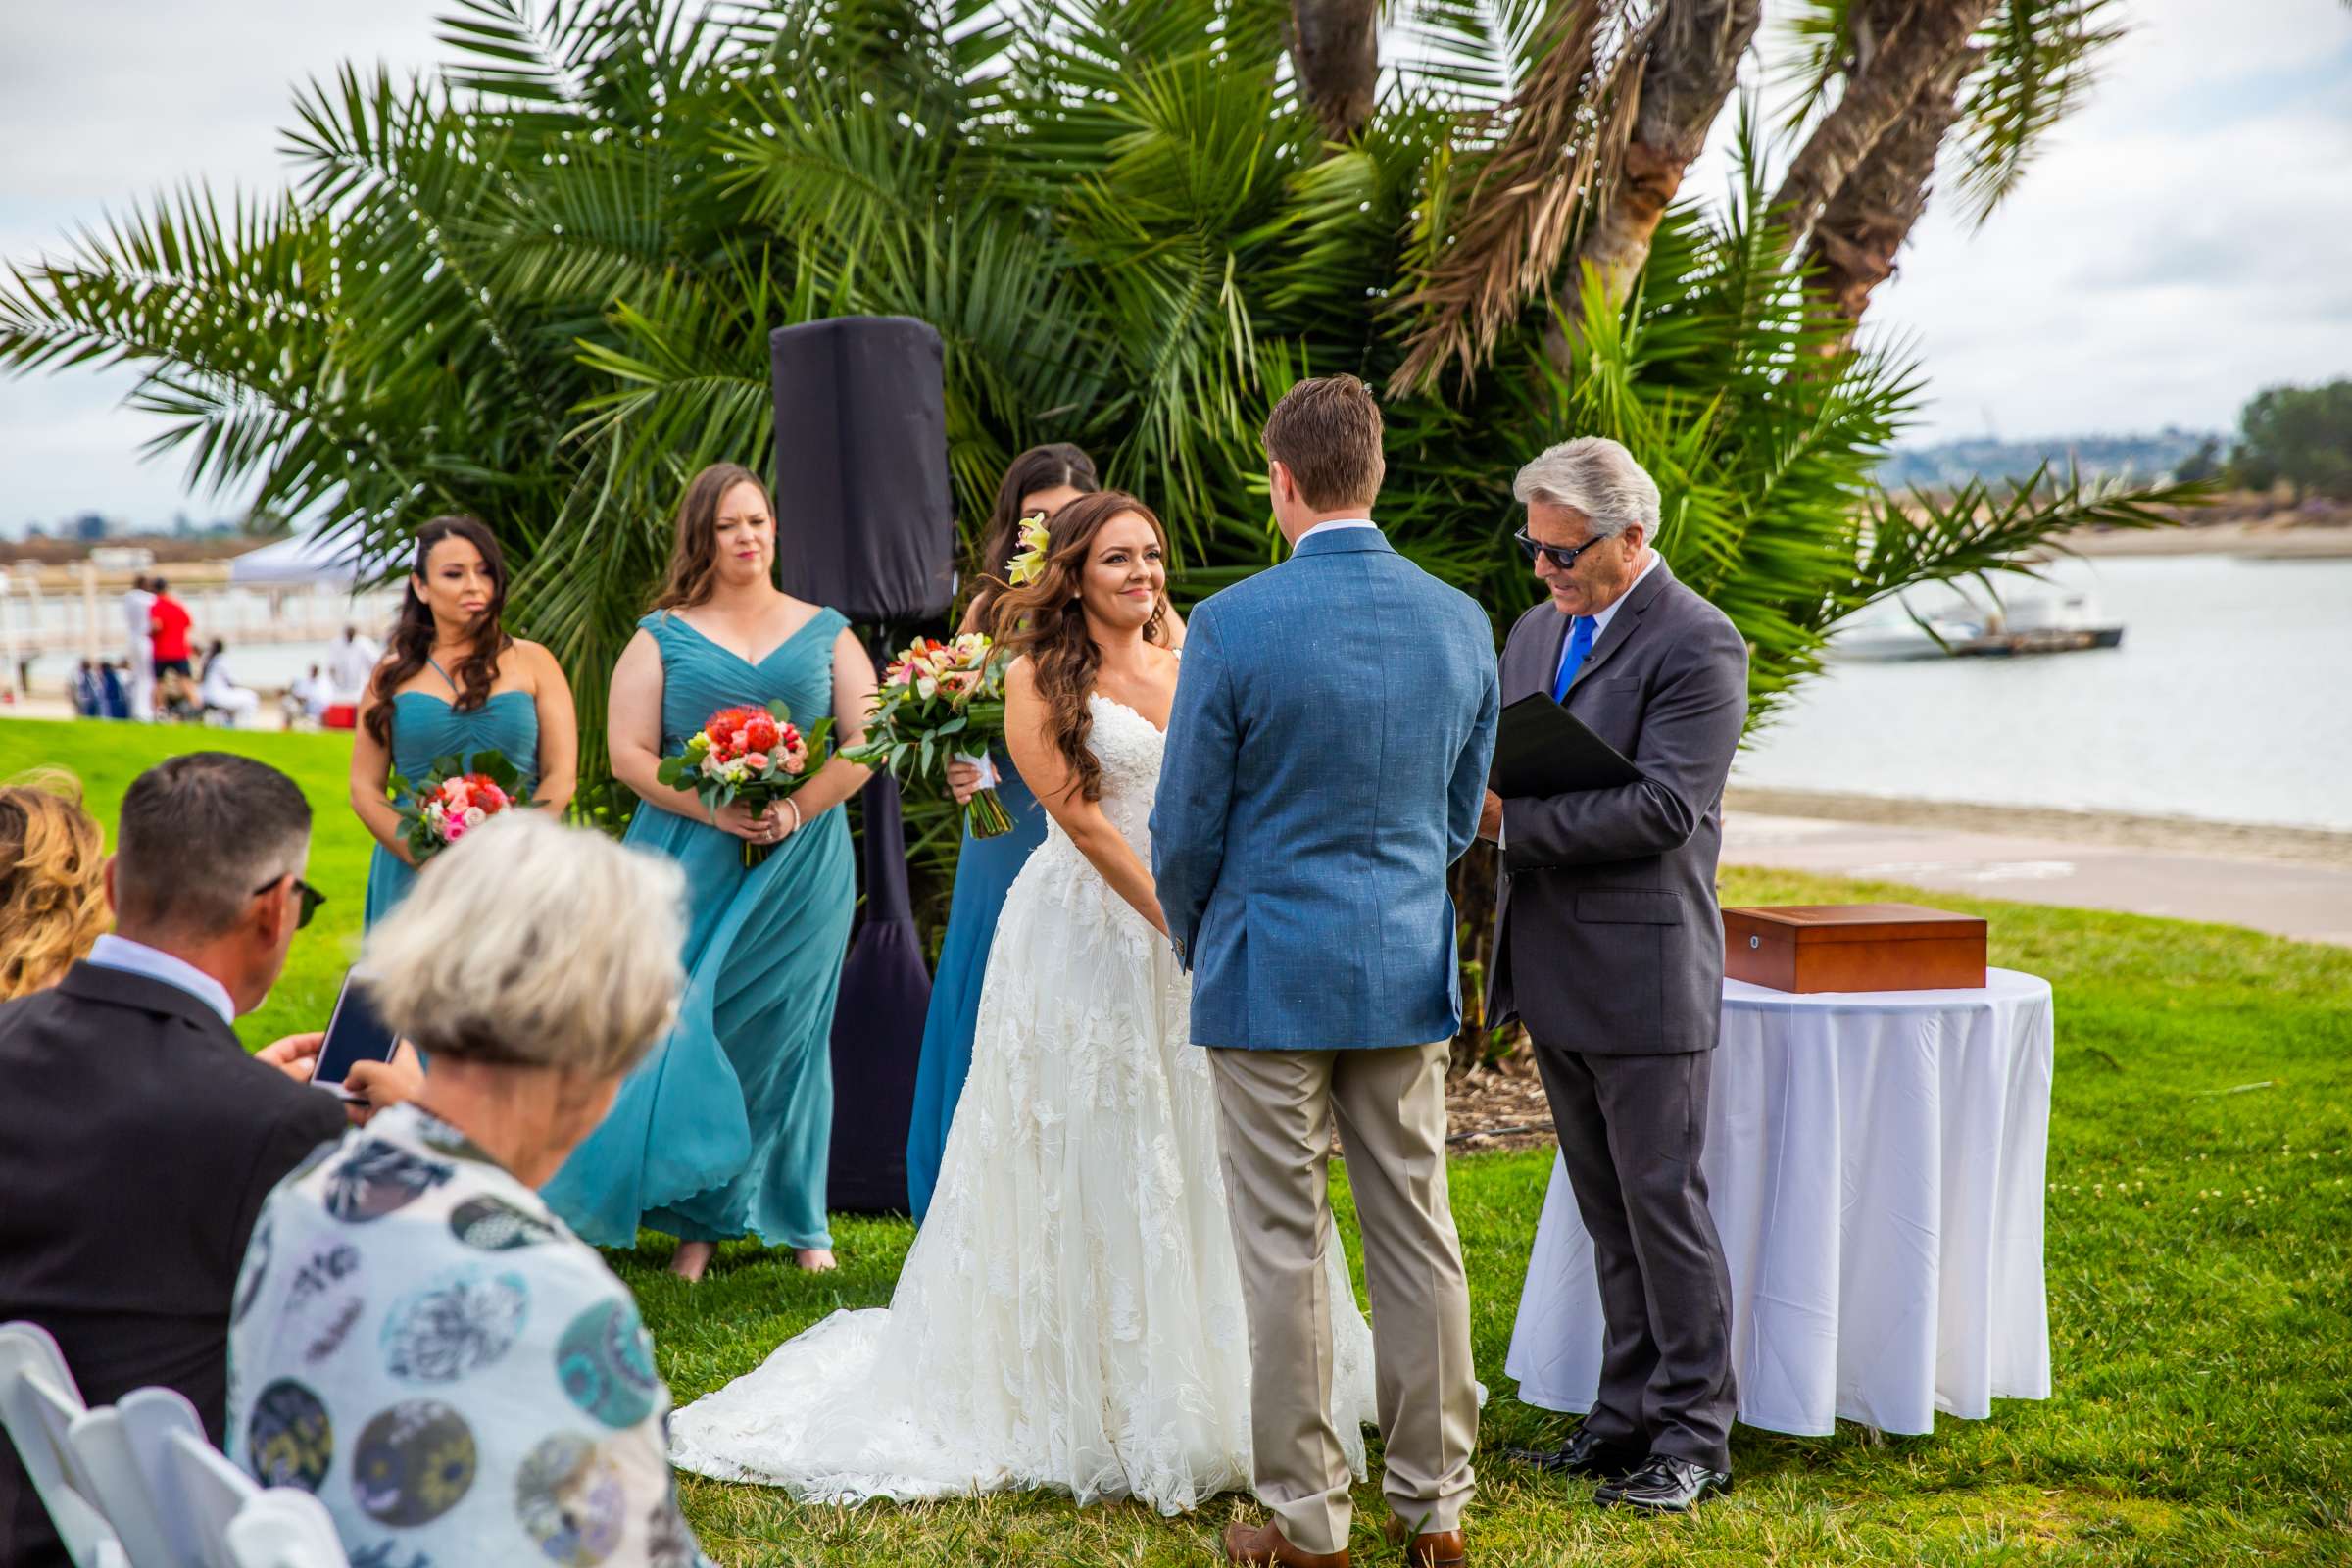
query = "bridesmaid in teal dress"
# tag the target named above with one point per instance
(453, 683)
(1041, 480)
(724, 1130)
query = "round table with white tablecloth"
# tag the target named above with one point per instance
(1875, 1166)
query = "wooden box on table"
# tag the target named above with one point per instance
(1854, 947)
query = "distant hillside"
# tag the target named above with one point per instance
(2130, 456)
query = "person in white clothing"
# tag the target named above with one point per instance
(305, 698)
(350, 663)
(137, 602)
(219, 692)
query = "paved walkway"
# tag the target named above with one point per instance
(2309, 900)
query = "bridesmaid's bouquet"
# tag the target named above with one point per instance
(940, 700)
(454, 799)
(754, 756)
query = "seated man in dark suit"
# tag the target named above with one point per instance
(137, 1139)
(1608, 947)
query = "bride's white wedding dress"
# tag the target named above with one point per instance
(1070, 1316)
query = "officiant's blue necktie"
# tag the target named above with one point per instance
(1580, 643)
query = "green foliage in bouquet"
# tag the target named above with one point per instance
(938, 700)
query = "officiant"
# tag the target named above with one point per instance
(1608, 948)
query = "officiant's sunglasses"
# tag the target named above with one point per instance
(1560, 555)
(310, 897)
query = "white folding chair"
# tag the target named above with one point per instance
(101, 1444)
(184, 1498)
(39, 1403)
(208, 1490)
(285, 1526)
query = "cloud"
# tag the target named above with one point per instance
(2178, 247)
(102, 107)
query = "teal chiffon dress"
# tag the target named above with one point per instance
(426, 728)
(724, 1130)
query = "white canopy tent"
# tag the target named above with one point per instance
(305, 559)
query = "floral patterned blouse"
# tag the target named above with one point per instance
(415, 1340)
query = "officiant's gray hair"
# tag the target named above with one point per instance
(1600, 479)
(529, 944)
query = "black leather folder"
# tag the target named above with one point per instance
(1542, 749)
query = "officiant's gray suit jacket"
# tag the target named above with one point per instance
(1325, 765)
(1607, 938)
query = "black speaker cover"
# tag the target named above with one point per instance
(864, 520)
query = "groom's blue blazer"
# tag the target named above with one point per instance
(1325, 765)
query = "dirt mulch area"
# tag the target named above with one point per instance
(1499, 1108)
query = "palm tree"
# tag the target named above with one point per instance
(537, 285)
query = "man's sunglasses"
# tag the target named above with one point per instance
(1559, 556)
(310, 897)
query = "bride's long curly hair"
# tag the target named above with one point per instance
(1045, 623)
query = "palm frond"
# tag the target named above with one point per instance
(1500, 218)
(2038, 58)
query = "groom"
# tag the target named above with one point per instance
(1325, 765)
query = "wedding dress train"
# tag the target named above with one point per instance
(1070, 1316)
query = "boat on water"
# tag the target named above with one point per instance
(2065, 624)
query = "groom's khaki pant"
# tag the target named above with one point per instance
(1278, 1108)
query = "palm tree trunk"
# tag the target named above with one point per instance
(1891, 68)
(1688, 71)
(1855, 243)
(1335, 46)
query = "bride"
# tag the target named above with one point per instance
(1070, 1317)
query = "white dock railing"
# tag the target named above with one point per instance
(77, 612)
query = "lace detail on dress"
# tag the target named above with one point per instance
(1071, 1315)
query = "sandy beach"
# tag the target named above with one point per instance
(2265, 540)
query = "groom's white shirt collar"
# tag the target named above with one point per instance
(136, 957)
(1332, 526)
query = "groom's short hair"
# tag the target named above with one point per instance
(1327, 432)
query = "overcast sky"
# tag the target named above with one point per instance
(2185, 240)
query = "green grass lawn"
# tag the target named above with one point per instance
(2200, 1287)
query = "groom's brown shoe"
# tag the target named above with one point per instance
(1257, 1545)
(1431, 1549)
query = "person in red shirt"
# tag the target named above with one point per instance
(169, 619)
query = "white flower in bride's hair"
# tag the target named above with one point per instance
(1030, 564)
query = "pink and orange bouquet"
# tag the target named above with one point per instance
(453, 800)
(939, 701)
(752, 757)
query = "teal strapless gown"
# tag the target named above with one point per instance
(724, 1130)
(983, 873)
(426, 728)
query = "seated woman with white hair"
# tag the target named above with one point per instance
(414, 1338)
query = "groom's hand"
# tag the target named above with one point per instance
(1489, 819)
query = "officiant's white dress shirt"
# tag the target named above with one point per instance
(1602, 617)
(137, 957)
